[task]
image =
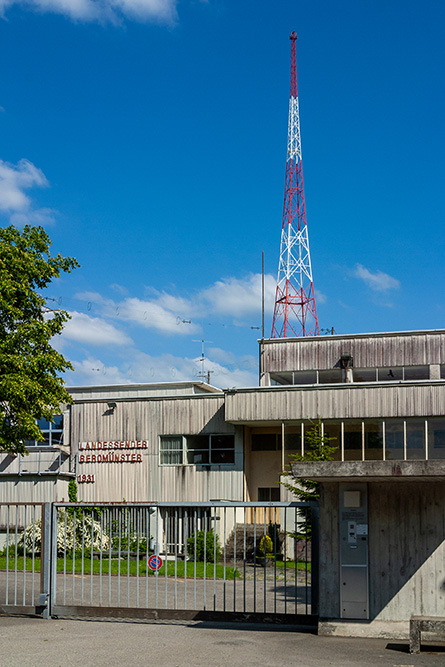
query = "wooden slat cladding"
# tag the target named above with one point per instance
(368, 351)
(146, 420)
(344, 401)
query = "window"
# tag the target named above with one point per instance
(264, 442)
(171, 450)
(353, 440)
(436, 438)
(222, 449)
(267, 495)
(364, 374)
(417, 373)
(197, 449)
(52, 432)
(394, 439)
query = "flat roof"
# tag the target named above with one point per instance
(302, 339)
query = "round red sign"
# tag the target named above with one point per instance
(155, 563)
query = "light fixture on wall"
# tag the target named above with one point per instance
(111, 405)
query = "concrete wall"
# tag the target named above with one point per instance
(407, 550)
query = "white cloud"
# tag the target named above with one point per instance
(153, 315)
(167, 313)
(88, 330)
(377, 281)
(14, 202)
(240, 296)
(138, 367)
(320, 297)
(91, 371)
(161, 11)
(119, 289)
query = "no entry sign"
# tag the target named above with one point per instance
(155, 563)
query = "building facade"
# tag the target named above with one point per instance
(380, 397)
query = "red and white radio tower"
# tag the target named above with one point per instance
(295, 312)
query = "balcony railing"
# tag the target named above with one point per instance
(36, 463)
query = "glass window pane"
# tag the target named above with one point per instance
(436, 438)
(394, 440)
(43, 424)
(373, 440)
(280, 378)
(332, 429)
(47, 440)
(223, 455)
(390, 374)
(353, 440)
(197, 442)
(56, 438)
(267, 495)
(264, 442)
(171, 458)
(222, 442)
(222, 448)
(171, 450)
(292, 439)
(415, 439)
(305, 377)
(58, 423)
(198, 449)
(417, 372)
(364, 374)
(332, 375)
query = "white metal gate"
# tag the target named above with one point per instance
(219, 560)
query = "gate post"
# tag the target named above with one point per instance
(45, 560)
(315, 554)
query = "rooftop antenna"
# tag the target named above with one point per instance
(203, 374)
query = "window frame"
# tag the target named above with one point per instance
(50, 433)
(206, 451)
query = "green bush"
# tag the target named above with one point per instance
(207, 552)
(266, 546)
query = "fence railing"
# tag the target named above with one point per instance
(36, 463)
(171, 559)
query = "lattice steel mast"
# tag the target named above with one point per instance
(295, 312)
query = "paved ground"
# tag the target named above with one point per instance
(250, 593)
(31, 642)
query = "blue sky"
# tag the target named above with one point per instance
(149, 138)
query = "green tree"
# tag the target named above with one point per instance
(317, 447)
(30, 384)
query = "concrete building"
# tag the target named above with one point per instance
(380, 396)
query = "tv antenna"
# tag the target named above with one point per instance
(205, 375)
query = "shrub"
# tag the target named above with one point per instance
(266, 547)
(74, 535)
(212, 545)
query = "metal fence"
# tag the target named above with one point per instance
(24, 549)
(219, 560)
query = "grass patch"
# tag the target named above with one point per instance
(124, 567)
(292, 565)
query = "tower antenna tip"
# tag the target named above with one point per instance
(293, 36)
